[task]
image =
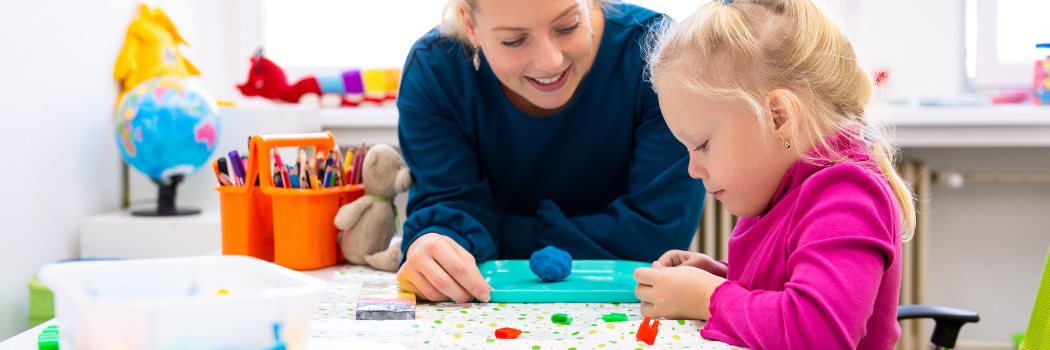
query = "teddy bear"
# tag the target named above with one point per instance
(368, 223)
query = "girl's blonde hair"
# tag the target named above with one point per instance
(452, 24)
(742, 50)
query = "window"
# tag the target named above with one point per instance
(1000, 40)
(310, 34)
(369, 34)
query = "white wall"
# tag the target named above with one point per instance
(988, 242)
(56, 98)
(921, 43)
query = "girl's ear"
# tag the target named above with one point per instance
(783, 108)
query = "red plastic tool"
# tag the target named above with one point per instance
(507, 333)
(647, 332)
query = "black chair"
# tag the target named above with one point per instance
(948, 321)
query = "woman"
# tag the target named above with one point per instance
(528, 124)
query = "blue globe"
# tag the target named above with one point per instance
(167, 126)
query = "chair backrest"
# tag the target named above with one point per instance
(1038, 334)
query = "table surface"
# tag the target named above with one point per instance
(466, 325)
(472, 325)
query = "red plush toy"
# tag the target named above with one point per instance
(349, 88)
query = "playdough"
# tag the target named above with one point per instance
(551, 264)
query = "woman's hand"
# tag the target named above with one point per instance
(438, 269)
(675, 258)
(675, 293)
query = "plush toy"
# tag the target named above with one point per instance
(150, 49)
(350, 88)
(368, 223)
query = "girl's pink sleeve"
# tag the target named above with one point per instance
(842, 245)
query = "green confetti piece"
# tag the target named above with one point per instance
(437, 321)
(496, 308)
(490, 340)
(681, 321)
(534, 347)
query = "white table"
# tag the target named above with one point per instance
(465, 325)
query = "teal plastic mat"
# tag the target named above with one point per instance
(591, 281)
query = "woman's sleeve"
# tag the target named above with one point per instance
(660, 210)
(450, 194)
(845, 246)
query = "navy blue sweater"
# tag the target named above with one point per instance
(602, 179)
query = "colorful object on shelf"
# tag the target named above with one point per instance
(551, 264)
(351, 88)
(561, 318)
(151, 49)
(614, 317)
(1040, 81)
(385, 302)
(167, 126)
(647, 332)
(879, 76)
(48, 338)
(507, 333)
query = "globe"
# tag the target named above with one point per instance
(167, 127)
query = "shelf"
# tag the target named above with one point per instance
(1007, 115)
(992, 126)
(359, 117)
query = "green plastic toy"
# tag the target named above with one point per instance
(561, 319)
(48, 338)
(41, 303)
(1038, 335)
(614, 317)
(591, 281)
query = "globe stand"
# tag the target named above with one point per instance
(166, 201)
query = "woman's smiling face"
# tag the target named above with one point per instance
(540, 50)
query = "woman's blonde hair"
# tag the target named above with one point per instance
(452, 24)
(742, 50)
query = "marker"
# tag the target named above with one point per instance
(215, 166)
(224, 180)
(282, 171)
(238, 167)
(222, 166)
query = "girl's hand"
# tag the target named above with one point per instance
(675, 293)
(675, 258)
(438, 268)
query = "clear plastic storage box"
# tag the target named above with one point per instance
(209, 302)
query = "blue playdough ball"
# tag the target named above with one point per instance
(551, 264)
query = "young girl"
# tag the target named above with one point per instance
(769, 100)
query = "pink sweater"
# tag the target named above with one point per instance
(821, 269)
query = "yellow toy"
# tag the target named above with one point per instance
(150, 49)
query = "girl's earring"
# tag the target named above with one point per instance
(787, 144)
(477, 61)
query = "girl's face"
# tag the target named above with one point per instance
(539, 49)
(740, 164)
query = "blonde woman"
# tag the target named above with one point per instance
(529, 124)
(769, 99)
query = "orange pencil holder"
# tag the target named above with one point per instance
(292, 227)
